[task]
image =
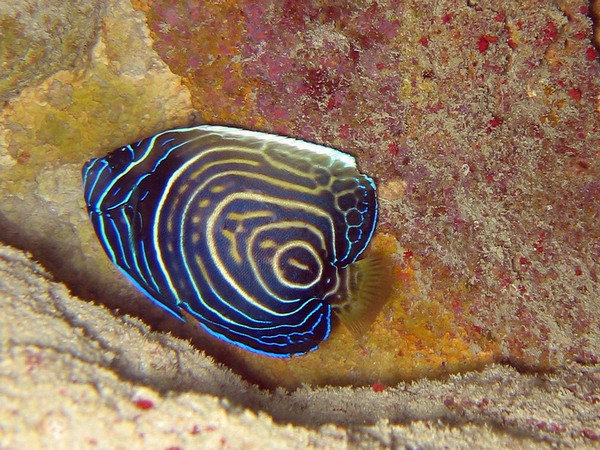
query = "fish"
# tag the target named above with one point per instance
(256, 236)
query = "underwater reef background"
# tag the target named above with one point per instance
(479, 120)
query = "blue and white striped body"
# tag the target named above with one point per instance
(248, 232)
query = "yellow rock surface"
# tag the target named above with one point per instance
(412, 337)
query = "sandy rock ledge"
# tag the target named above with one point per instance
(73, 375)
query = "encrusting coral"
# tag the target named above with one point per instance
(479, 122)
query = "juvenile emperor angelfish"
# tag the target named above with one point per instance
(255, 235)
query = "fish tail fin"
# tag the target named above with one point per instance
(368, 285)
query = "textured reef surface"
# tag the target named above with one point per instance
(43, 37)
(479, 120)
(153, 390)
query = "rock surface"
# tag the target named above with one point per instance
(73, 375)
(42, 37)
(480, 122)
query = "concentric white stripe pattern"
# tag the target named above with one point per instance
(249, 232)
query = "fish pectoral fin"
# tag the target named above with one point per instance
(369, 286)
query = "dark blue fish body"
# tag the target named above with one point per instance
(253, 234)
